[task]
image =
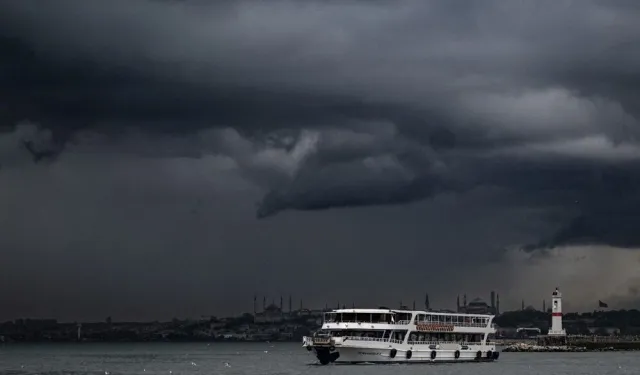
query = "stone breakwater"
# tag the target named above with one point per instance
(585, 347)
(521, 347)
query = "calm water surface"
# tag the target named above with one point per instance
(276, 359)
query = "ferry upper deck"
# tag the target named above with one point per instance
(405, 317)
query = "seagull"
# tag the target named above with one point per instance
(226, 364)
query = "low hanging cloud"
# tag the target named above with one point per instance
(302, 112)
(351, 169)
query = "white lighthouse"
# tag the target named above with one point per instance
(556, 315)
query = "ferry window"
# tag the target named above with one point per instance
(348, 317)
(330, 317)
(404, 316)
(363, 317)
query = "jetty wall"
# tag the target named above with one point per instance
(574, 344)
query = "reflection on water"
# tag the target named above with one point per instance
(277, 359)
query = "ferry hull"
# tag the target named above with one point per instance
(355, 355)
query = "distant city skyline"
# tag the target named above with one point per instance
(300, 304)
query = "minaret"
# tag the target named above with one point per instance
(254, 304)
(464, 301)
(522, 305)
(556, 315)
(458, 304)
(427, 306)
(493, 301)
(290, 305)
(414, 305)
(264, 303)
(544, 305)
(281, 304)
(497, 304)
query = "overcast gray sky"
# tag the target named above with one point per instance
(339, 151)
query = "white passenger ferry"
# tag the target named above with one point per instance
(402, 336)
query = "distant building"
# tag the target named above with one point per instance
(271, 314)
(528, 332)
(506, 332)
(37, 324)
(477, 306)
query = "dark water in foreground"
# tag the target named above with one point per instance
(277, 358)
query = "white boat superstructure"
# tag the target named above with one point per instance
(402, 336)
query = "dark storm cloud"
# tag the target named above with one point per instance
(446, 74)
(313, 105)
(606, 208)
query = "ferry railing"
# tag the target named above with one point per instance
(374, 339)
(478, 325)
(400, 322)
(456, 324)
(442, 342)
